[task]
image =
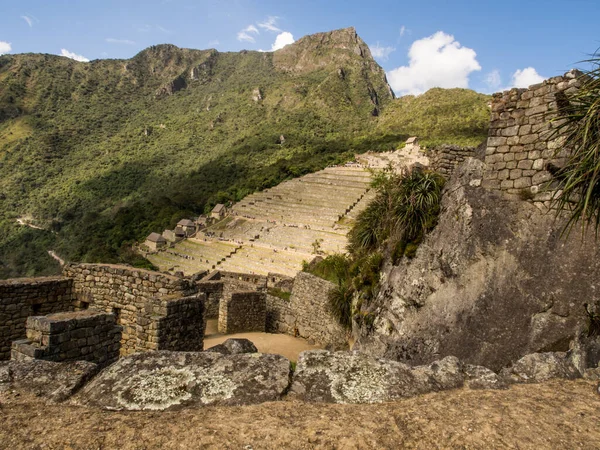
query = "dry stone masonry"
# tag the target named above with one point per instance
(243, 311)
(24, 297)
(306, 314)
(444, 159)
(71, 336)
(137, 297)
(521, 147)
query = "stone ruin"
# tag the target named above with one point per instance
(521, 148)
(71, 336)
(98, 312)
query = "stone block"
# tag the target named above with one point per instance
(515, 173)
(525, 164)
(522, 183)
(538, 164)
(506, 184)
(510, 131)
(496, 141)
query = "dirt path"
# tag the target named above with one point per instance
(555, 415)
(280, 344)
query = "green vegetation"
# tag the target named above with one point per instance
(579, 127)
(100, 154)
(405, 208)
(439, 116)
(276, 292)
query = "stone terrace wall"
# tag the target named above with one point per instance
(444, 159)
(306, 314)
(518, 148)
(172, 324)
(24, 297)
(243, 311)
(124, 291)
(83, 335)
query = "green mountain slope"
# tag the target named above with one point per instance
(99, 154)
(439, 116)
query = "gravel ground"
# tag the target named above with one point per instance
(554, 415)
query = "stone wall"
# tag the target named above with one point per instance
(260, 281)
(520, 145)
(281, 282)
(214, 292)
(24, 297)
(242, 311)
(306, 314)
(172, 324)
(280, 317)
(70, 336)
(125, 291)
(445, 158)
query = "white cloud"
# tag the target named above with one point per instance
(269, 24)
(282, 40)
(75, 56)
(5, 47)
(526, 77)
(28, 19)
(434, 61)
(245, 34)
(380, 52)
(119, 41)
(402, 30)
(213, 43)
(493, 80)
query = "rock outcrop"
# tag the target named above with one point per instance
(539, 367)
(352, 377)
(50, 380)
(168, 380)
(493, 282)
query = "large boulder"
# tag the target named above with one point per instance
(54, 381)
(539, 367)
(166, 380)
(352, 377)
(493, 282)
(234, 346)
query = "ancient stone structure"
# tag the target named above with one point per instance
(155, 311)
(445, 158)
(24, 297)
(70, 336)
(306, 314)
(521, 146)
(138, 298)
(213, 289)
(243, 311)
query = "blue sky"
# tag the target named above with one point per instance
(484, 45)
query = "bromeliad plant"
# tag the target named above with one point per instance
(579, 130)
(405, 208)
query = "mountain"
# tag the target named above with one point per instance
(94, 156)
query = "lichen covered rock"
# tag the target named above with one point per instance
(169, 380)
(55, 381)
(539, 367)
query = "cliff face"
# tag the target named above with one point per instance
(494, 281)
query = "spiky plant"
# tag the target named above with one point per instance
(579, 130)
